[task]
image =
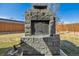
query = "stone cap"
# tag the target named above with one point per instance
(41, 36)
(36, 36)
(40, 6)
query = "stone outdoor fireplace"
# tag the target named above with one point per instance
(40, 36)
(40, 27)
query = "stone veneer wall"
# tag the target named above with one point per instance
(41, 45)
(36, 14)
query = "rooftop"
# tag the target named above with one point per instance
(9, 20)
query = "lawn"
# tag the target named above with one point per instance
(8, 40)
(70, 44)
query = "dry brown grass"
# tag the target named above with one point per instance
(71, 38)
(8, 40)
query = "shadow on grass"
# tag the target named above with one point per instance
(3, 51)
(69, 48)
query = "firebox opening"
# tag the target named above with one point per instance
(39, 27)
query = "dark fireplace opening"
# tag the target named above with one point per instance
(39, 27)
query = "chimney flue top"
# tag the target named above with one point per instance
(40, 6)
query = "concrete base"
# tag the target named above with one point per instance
(41, 45)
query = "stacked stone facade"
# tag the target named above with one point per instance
(48, 44)
(38, 14)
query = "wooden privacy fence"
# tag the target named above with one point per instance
(67, 27)
(19, 27)
(11, 27)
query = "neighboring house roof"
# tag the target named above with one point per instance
(11, 21)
